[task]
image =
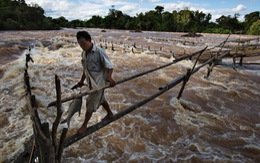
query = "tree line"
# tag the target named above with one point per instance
(16, 14)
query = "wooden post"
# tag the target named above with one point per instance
(185, 80)
(213, 62)
(210, 68)
(46, 146)
(61, 146)
(58, 117)
(241, 60)
(27, 82)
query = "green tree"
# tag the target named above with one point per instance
(168, 22)
(251, 18)
(159, 17)
(109, 20)
(131, 23)
(200, 21)
(61, 22)
(228, 22)
(152, 21)
(255, 28)
(76, 23)
(95, 22)
(116, 19)
(140, 21)
(184, 18)
(159, 9)
(18, 15)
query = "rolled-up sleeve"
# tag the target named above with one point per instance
(106, 61)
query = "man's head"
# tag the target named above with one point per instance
(84, 40)
(83, 34)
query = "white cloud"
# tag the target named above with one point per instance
(239, 8)
(130, 9)
(175, 6)
(51, 5)
(154, 1)
(81, 9)
(69, 9)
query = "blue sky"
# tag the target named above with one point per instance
(85, 9)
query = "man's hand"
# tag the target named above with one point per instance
(79, 84)
(111, 81)
(75, 87)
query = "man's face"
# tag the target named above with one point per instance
(86, 45)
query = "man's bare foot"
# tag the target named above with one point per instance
(82, 129)
(107, 117)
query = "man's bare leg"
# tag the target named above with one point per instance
(83, 127)
(107, 108)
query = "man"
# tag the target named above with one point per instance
(97, 70)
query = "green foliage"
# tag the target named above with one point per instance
(95, 22)
(255, 28)
(217, 30)
(251, 18)
(184, 19)
(16, 14)
(228, 22)
(61, 21)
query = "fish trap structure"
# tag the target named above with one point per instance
(49, 145)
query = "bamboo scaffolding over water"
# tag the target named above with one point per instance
(74, 138)
(128, 78)
(41, 130)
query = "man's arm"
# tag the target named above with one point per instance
(81, 82)
(109, 77)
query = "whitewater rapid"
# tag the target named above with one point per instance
(216, 120)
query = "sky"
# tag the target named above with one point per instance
(85, 9)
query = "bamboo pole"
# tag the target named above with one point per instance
(128, 78)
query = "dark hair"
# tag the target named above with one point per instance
(83, 34)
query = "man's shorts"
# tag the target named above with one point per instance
(94, 100)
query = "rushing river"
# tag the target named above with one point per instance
(217, 119)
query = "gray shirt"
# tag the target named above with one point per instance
(95, 64)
